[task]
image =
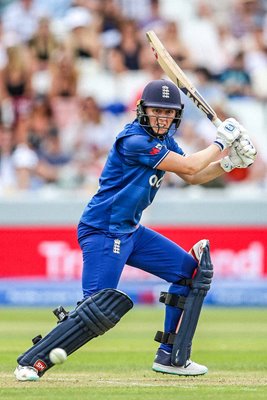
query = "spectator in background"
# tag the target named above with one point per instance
(255, 61)
(8, 179)
(171, 37)
(116, 61)
(235, 80)
(148, 65)
(83, 39)
(96, 133)
(134, 9)
(15, 80)
(40, 122)
(153, 19)
(130, 45)
(36, 138)
(63, 90)
(202, 39)
(110, 15)
(208, 85)
(229, 45)
(93, 134)
(89, 140)
(21, 18)
(17, 163)
(26, 164)
(64, 75)
(109, 19)
(244, 15)
(43, 44)
(33, 168)
(122, 81)
(50, 152)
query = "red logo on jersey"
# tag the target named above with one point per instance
(155, 150)
(40, 365)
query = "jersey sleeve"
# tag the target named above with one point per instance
(175, 147)
(137, 149)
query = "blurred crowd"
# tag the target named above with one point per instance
(71, 72)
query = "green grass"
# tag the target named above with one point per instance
(231, 342)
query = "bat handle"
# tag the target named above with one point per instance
(217, 122)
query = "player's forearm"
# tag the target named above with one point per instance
(197, 162)
(192, 164)
(214, 170)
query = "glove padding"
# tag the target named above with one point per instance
(242, 154)
(227, 133)
(245, 147)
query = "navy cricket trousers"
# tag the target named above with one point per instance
(105, 255)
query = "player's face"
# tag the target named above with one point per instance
(160, 119)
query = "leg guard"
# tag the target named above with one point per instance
(93, 317)
(193, 304)
(173, 300)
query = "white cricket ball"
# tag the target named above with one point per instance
(58, 356)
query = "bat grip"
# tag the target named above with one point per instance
(217, 122)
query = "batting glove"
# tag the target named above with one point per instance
(236, 159)
(227, 133)
(245, 147)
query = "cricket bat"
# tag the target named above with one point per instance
(175, 73)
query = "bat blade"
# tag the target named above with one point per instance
(175, 73)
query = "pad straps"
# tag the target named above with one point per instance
(171, 299)
(165, 337)
(185, 282)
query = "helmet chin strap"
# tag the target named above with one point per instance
(152, 134)
(169, 132)
(158, 128)
(150, 131)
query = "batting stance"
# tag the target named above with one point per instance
(110, 235)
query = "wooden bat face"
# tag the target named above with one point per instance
(175, 73)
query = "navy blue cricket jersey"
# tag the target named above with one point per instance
(129, 181)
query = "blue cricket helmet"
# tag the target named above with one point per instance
(160, 93)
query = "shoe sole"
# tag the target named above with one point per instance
(28, 380)
(171, 370)
(25, 379)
